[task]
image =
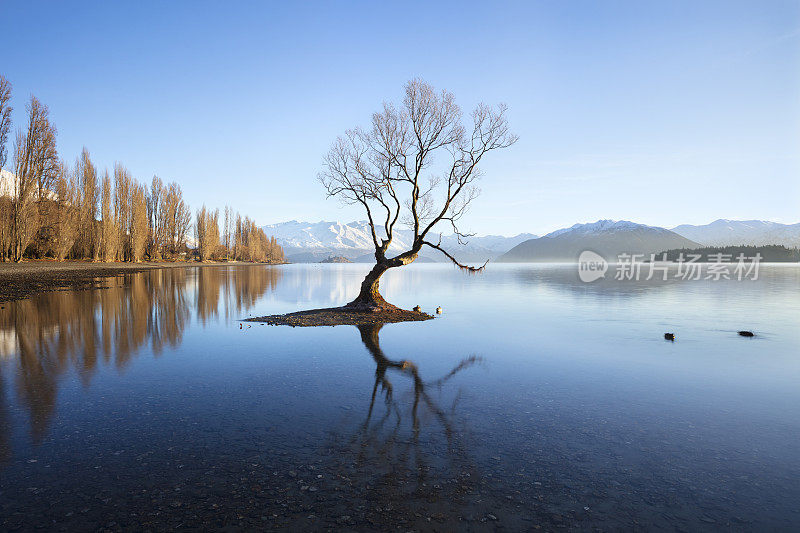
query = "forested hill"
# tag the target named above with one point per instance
(769, 254)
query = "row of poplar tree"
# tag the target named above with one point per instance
(240, 239)
(51, 209)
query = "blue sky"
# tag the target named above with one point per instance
(658, 112)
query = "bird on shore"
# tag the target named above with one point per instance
(439, 310)
(417, 309)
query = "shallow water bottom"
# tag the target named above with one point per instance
(534, 402)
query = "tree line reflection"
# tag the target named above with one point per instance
(44, 337)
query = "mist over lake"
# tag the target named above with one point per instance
(533, 400)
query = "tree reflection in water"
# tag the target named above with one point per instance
(411, 446)
(5, 423)
(43, 337)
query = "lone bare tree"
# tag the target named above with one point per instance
(417, 164)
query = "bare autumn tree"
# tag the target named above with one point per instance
(122, 209)
(200, 234)
(110, 231)
(24, 215)
(183, 224)
(207, 232)
(67, 217)
(90, 235)
(6, 204)
(226, 233)
(36, 164)
(416, 164)
(155, 214)
(6, 224)
(5, 119)
(138, 226)
(237, 237)
(177, 219)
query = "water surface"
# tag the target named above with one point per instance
(533, 400)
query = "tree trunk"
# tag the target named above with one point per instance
(369, 298)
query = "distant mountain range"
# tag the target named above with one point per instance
(608, 238)
(306, 242)
(742, 232)
(311, 242)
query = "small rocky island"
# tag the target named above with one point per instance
(336, 259)
(343, 316)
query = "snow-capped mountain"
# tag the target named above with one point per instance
(599, 227)
(325, 238)
(609, 238)
(742, 232)
(315, 241)
(7, 183)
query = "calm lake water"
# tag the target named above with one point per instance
(533, 401)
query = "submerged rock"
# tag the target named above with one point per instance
(745, 333)
(669, 336)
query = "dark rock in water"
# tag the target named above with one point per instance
(747, 334)
(669, 336)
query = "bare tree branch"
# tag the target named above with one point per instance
(466, 268)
